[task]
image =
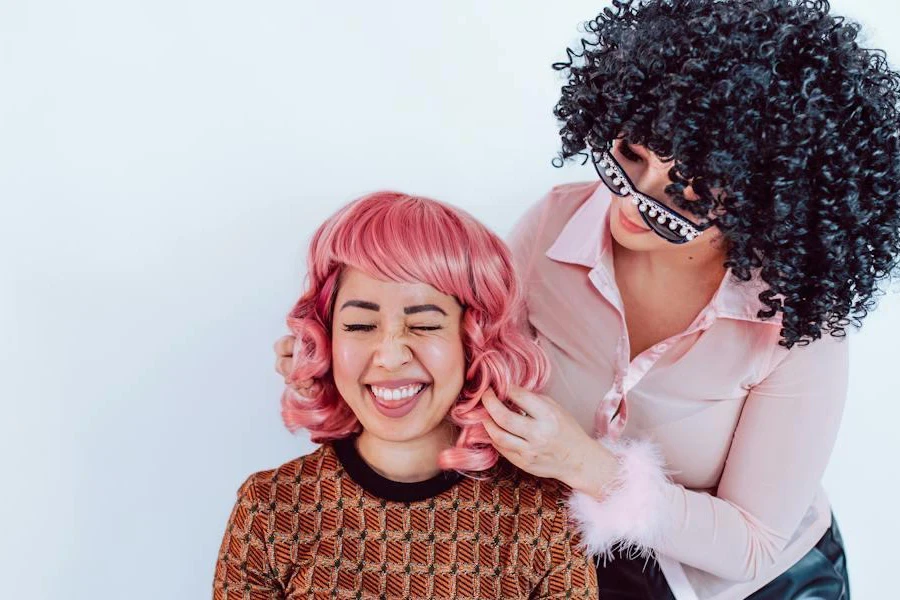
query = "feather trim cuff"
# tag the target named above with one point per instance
(630, 516)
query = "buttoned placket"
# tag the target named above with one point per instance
(612, 413)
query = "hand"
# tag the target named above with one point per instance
(284, 358)
(546, 441)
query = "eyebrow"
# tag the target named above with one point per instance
(409, 310)
(361, 304)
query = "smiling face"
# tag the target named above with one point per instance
(397, 355)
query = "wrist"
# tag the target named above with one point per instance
(596, 469)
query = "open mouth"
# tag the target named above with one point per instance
(396, 402)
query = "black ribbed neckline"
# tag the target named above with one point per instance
(388, 489)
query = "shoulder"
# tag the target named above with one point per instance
(542, 508)
(823, 362)
(570, 195)
(546, 497)
(538, 228)
(264, 485)
(560, 203)
(575, 192)
(826, 352)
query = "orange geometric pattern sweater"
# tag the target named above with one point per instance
(326, 525)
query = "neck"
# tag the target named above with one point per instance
(703, 264)
(407, 461)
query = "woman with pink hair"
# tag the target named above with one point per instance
(412, 312)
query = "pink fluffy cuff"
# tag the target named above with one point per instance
(630, 515)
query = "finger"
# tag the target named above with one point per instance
(533, 404)
(509, 420)
(308, 388)
(285, 345)
(283, 365)
(504, 441)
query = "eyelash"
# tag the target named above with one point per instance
(355, 327)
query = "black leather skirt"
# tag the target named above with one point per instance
(821, 575)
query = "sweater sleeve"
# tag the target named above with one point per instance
(243, 570)
(779, 452)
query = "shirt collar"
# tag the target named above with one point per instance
(586, 240)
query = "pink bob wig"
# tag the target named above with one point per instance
(395, 237)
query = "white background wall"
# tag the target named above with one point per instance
(162, 165)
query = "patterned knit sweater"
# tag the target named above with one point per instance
(326, 525)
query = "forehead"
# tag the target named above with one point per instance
(357, 285)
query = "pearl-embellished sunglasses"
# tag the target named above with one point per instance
(662, 220)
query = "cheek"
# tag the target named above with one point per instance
(347, 362)
(445, 362)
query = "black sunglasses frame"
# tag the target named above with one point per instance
(662, 220)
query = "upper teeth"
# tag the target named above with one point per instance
(397, 393)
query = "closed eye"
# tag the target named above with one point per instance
(361, 327)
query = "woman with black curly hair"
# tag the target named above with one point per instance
(694, 300)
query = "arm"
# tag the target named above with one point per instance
(243, 571)
(781, 446)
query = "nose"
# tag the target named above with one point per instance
(649, 177)
(649, 173)
(392, 352)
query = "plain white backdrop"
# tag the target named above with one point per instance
(162, 166)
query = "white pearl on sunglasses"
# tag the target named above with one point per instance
(618, 183)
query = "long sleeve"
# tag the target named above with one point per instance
(243, 569)
(779, 452)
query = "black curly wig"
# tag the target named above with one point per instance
(774, 103)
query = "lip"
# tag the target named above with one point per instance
(629, 225)
(396, 410)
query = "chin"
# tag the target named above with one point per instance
(396, 430)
